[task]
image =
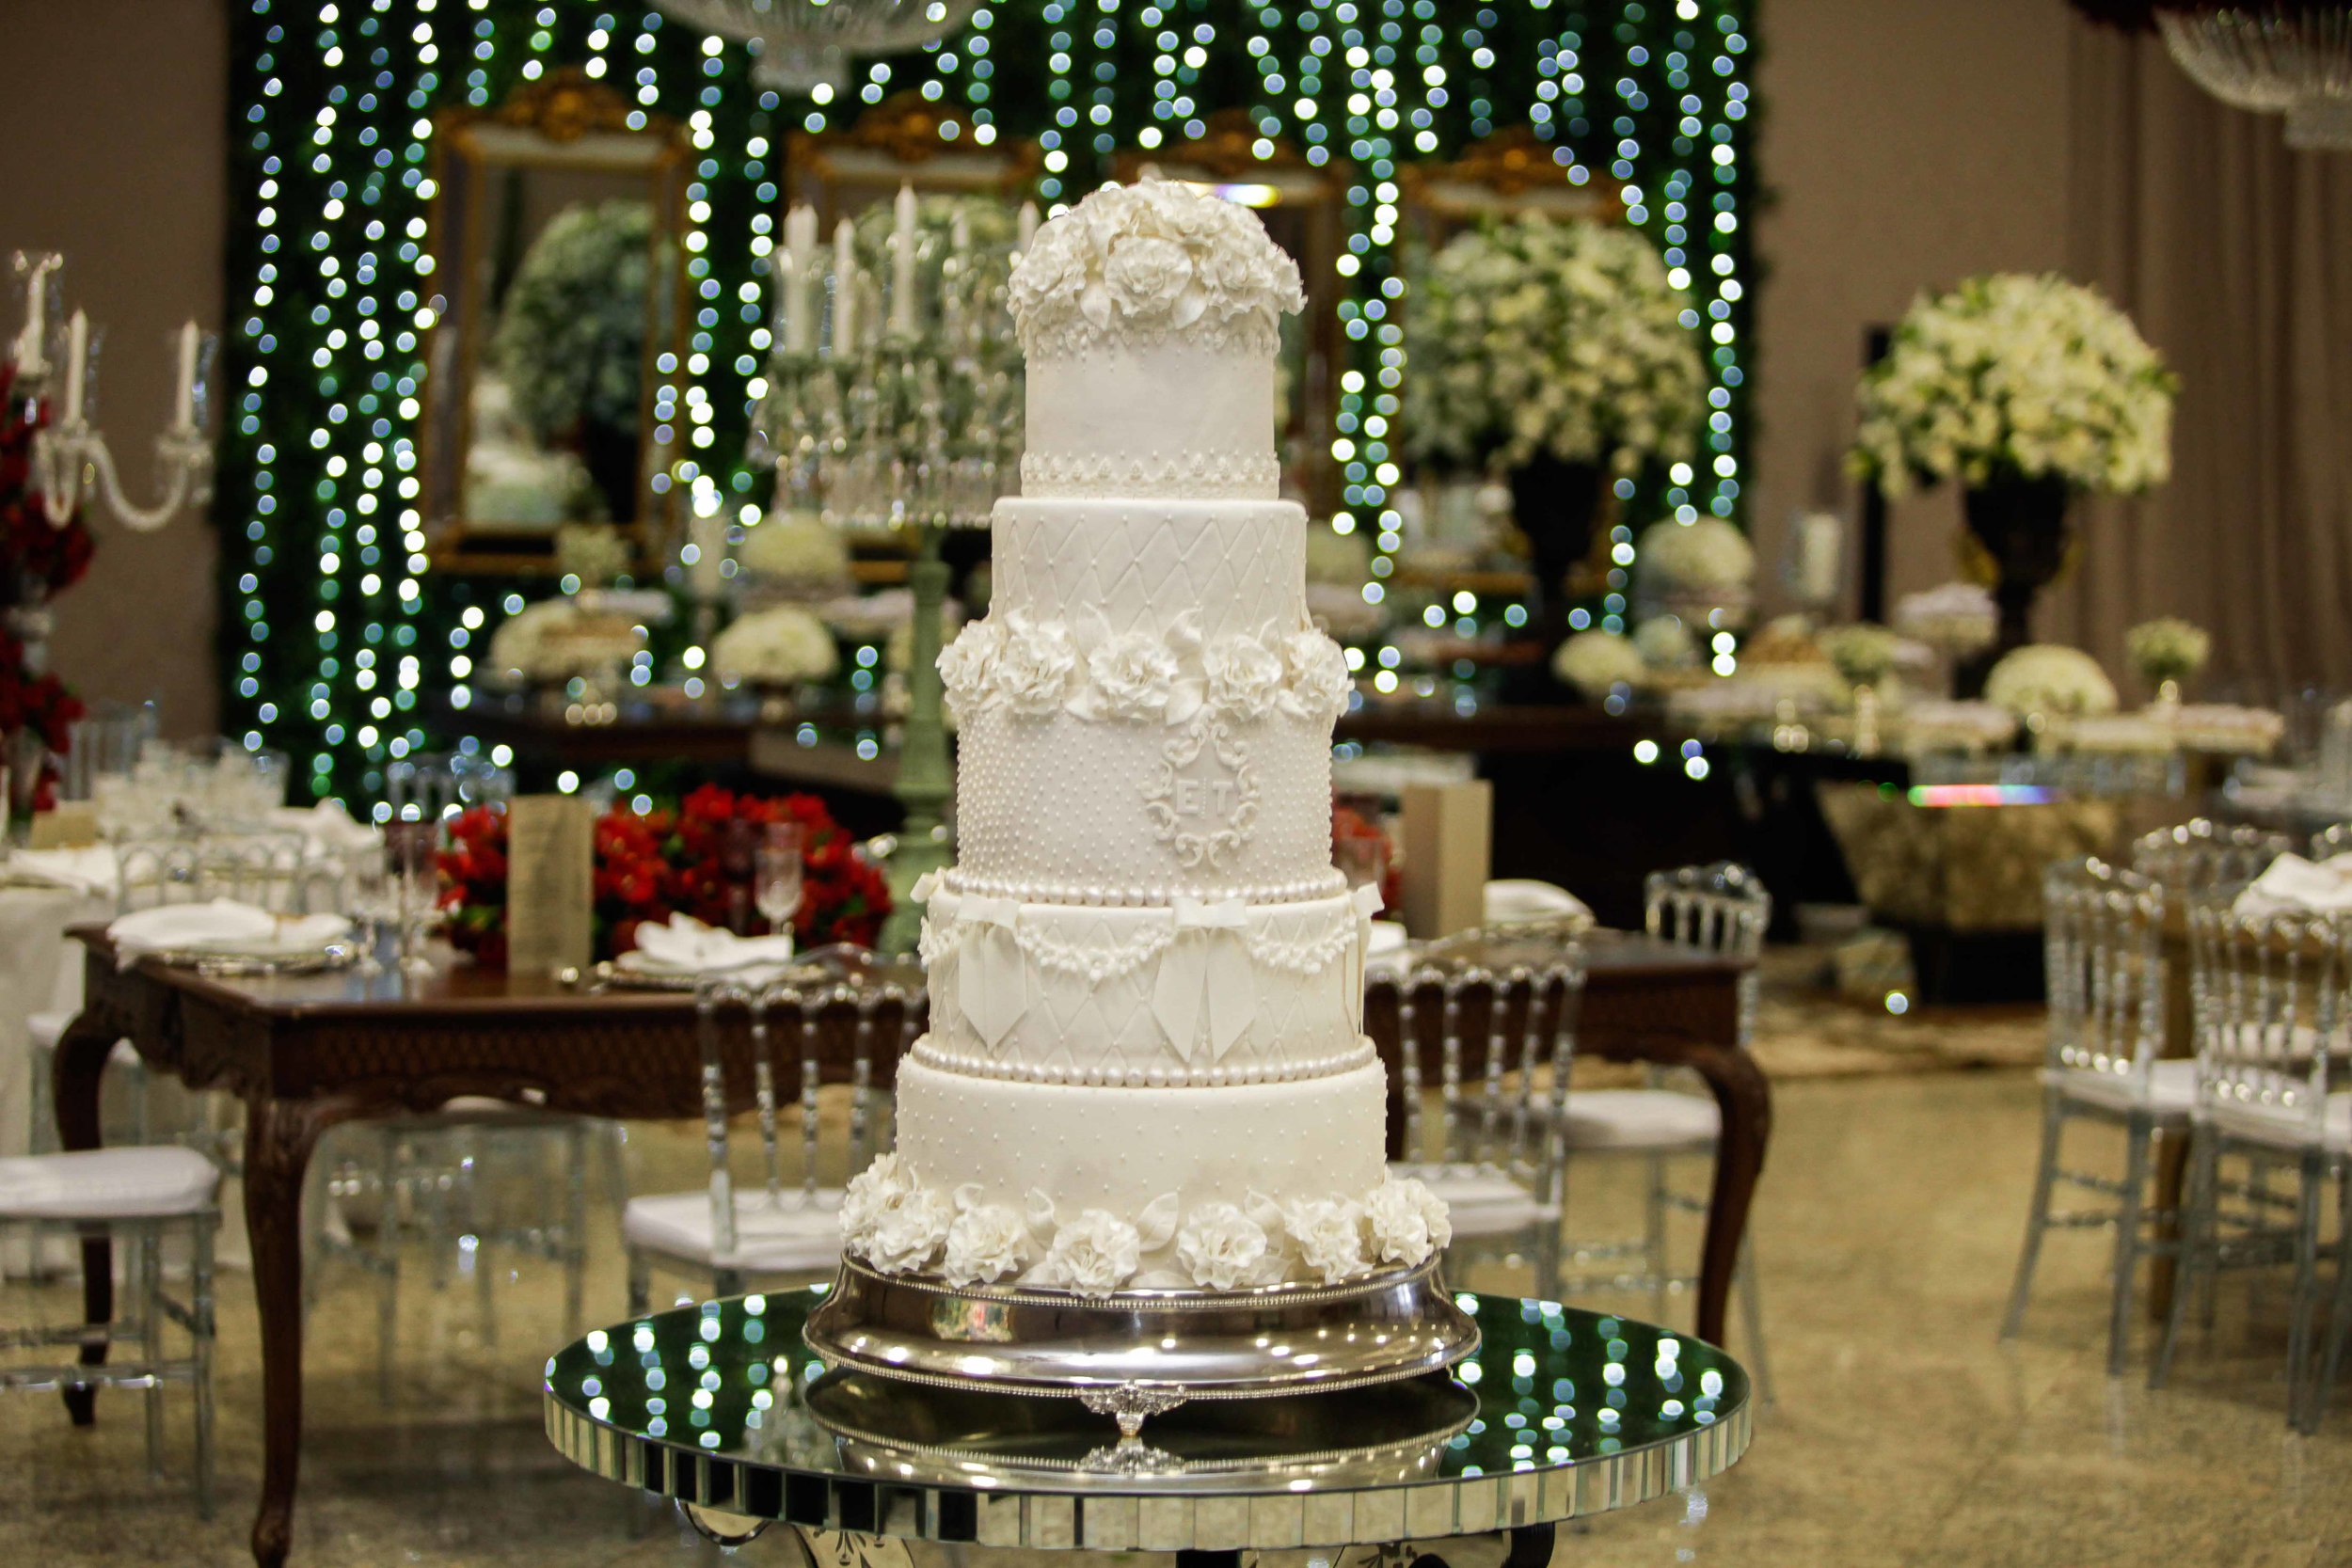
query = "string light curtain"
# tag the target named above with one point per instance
(338, 645)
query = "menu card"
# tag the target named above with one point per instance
(550, 867)
(1448, 843)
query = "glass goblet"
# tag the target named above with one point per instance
(779, 865)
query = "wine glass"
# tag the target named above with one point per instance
(777, 866)
(410, 866)
(372, 900)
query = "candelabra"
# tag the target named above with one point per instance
(894, 399)
(71, 452)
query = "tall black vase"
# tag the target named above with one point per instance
(2022, 524)
(1555, 506)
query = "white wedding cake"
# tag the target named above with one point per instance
(1146, 1066)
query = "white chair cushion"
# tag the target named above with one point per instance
(107, 1184)
(2256, 1125)
(47, 1029)
(1640, 1119)
(2172, 1086)
(1480, 1201)
(793, 1239)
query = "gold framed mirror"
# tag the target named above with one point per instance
(1303, 207)
(559, 311)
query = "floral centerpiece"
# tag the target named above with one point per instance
(651, 866)
(795, 556)
(2028, 391)
(37, 561)
(1597, 663)
(783, 645)
(1703, 570)
(1555, 351)
(557, 639)
(2045, 679)
(2166, 651)
(1956, 618)
(1665, 642)
(1861, 654)
(570, 338)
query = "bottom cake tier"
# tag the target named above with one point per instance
(1094, 1188)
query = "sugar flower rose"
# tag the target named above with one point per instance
(966, 664)
(1094, 1254)
(1315, 679)
(1034, 666)
(1152, 279)
(1222, 1248)
(1133, 676)
(1330, 1238)
(1407, 1220)
(904, 1236)
(986, 1243)
(1244, 677)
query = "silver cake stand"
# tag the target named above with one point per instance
(1132, 1354)
(1558, 1414)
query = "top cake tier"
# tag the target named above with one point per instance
(1150, 316)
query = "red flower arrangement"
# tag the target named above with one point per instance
(36, 560)
(652, 864)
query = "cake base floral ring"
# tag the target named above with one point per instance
(1131, 1355)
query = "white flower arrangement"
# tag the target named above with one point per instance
(1223, 1249)
(1861, 654)
(1406, 1221)
(2046, 678)
(1329, 1234)
(1664, 642)
(1708, 555)
(1956, 617)
(986, 1241)
(1093, 1255)
(796, 548)
(1596, 662)
(1563, 337)
(571, 333)
(780, 646)
(2168, 649)
(1244, 677)
(2010, 375)
(1150, 263)
(592, 552)
(557, 639)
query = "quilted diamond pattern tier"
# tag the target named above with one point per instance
(1142, 565)
(1062, 993)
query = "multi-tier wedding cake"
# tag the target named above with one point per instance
(1146, 1068)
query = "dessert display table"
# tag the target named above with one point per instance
(1559, 1414)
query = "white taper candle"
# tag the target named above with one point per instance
(76, 365)
(902, 265)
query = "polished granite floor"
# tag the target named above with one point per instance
(1903, 1431)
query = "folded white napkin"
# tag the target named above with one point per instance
(2296, 885)
(1387, 936)
(222, 926)
(91, 869)
(687, 946)
(1513, 900)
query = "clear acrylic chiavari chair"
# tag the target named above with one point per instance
(1725, 910)
(823, 1018)
(2201, 855)
(2272, 996)
(2103, 935)
(1504, 1037)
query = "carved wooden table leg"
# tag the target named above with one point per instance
(1746, 1098)
(79, 1064)
(279, 1135)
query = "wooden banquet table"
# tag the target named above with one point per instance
(307, 1053)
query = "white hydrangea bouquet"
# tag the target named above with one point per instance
(2010, 377)
(1598, 662)
(795, 553)
(781, 646)
(2168, 651)
(1703, 570)
(1540, 336)
(2046, 679)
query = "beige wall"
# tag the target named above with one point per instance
(115, 123)
(1904, 144)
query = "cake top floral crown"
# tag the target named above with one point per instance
(1150, 263)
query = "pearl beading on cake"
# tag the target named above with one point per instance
(1144, 896)
(1140, 1077)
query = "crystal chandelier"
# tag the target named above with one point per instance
(802, 43)
(2273, 58)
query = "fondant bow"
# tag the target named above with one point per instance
(992, 980)
(1206, 980)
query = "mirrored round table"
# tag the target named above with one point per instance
(1560, 1413)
